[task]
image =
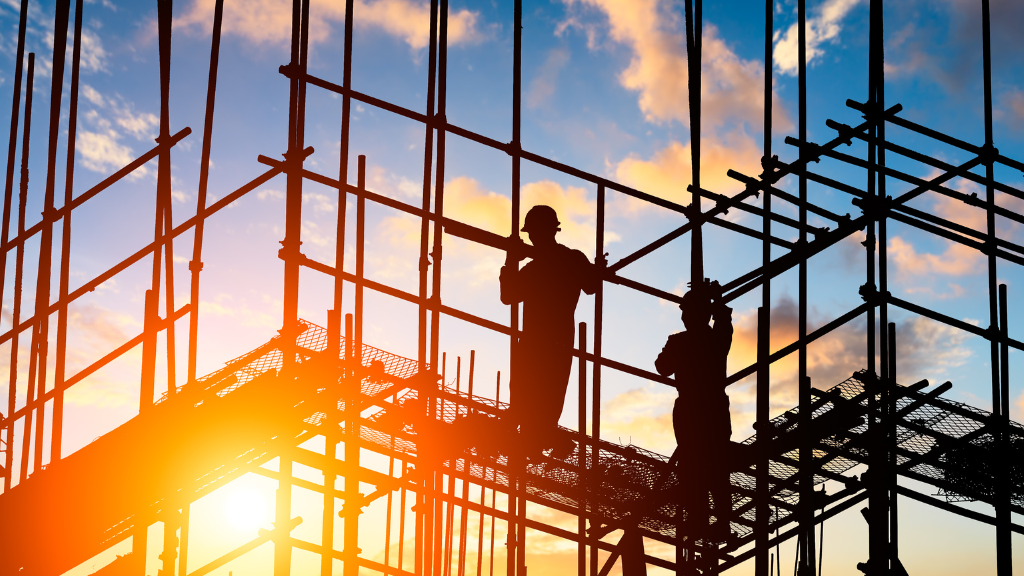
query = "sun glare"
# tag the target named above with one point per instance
(246, 510)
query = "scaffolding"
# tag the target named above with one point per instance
(310, 381)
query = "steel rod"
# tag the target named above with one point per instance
(195, 266)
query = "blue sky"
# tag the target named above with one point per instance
(604, 90)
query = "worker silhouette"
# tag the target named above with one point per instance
(700, 417)
(549, 287)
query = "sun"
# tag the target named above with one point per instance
(246, 509)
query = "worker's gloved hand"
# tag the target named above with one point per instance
(715, 291)
(515, 250)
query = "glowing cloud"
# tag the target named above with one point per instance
(732, 88)
(269, 21)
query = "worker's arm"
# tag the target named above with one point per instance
(509, 277)
(511, 289)
(665, 364)
(723, 328)
(590, 274)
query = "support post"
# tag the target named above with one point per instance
(1004, 541)
(351, 510)
(581, 451)
(764, 438)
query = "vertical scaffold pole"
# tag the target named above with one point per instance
(346, 119)
(516, 499)
(12, 146)
(764, 438)
(165, 214)
(354, 349)
(19, 273)
(57, 429)
(425, 508)
(291, 245)
(806, 481)
(694, 25)
(693, 68)
(40, 334)
(595, 401)
(331, 445)
(877, 498)
(764, 435)
(1004, 564)
(12, 149)
(581, 504)
(291, 250)
(350, 512)
(196, 265)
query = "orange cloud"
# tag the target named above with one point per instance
(926, 349)
(269, 21)
(731, 89)
(667, 174)
(466, 200)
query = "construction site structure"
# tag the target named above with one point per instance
(449, 452)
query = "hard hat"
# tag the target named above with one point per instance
(541, 217)
(698, 296)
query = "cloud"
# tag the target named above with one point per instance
(269, 21)
(542, 87)
(100, 152)
(945, 47)
(1016, 105)
(93, 56)
(473, 265)
(467, 201)
(823, 27)
(667, 173)
(956, 260)
(93, 331)
(1013, 107)
(732, 89)
(99, 142)
(244, 315)
(926, 349)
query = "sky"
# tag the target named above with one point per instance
(604, 90)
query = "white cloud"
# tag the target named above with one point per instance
(542, 87)
(269, 21)
(732, 89)
(101, 152)
(823, 27)
(104, 127)
(94, 56)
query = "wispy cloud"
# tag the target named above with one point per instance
(823, 27)
(542, 87)
(110, 119)
(269, 21)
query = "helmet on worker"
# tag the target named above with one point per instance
(541, 223)
(696, 306)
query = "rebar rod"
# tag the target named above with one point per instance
(19, 269)
(195, 266)
(12, 146)
(40, 339)
(57, 428)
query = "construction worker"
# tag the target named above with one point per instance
(700, 417)
(549, 287)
